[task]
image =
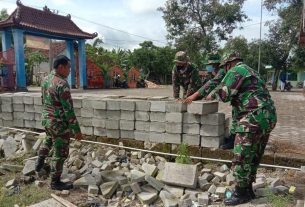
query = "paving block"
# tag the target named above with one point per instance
(174, 117)
(128, 115)
(99, 131)
(157, 116)
(147, 197)
(173, 127)
(191, 128)
(128, 105)
(29, 116)
(156, 184)
(87, 103)
(141, 135)
(201, 108)
(7, 107)
(135, 187)
(142, 126)
(212, 142)
(38, 125)
(99, 113)
(156, 137)
(99, 104)
(191, 139)
(28, 99)
(176, 191)
(213, 119)
(38, 116)
(203, 199)
(168, 199)
(158, 106)
(113, 115)
(77, 112)
(142, 105)
(18, 115)
(142, 115)
(112, 124)
(109, 188)
(212, 130)
(99, 122)
(221, 175)
(172, 138)
(157, 127)
(87, 130)
(30, 124)
(18, 107)
(29, 108)
(18, 98)
(113, 133)
(87, 112)
(85, 122)
(38, 109)
(221, 191)
(191, 118)
(127, 125)
(174, 106)
(19, 123)
(149, 169)
(93, 190)
(77, 102)
(114, 105)
(6, 98)
(127, 134)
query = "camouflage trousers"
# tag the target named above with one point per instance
(248, 152)
(58, 138)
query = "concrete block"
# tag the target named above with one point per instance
(87, 122)
(191, 139)
(77, 102)
(212, 142)
(99, 104)
(128, 134)
(87, 130)
(86, 112)
(128, 105)
(172, 138)
(100, 131)
(18, 98)
(99, 113)
(7, 107)
(113, 133)
(113, 115)
(142, 115)
(200, 107)
(191, 118)
(157, 116)
(156, 184)
(28, 99)
(8, 123)
(135, 187)
(99, 122)
(38, 109)
(142, 126)
(191, 128)
(156, 137)
(87, 103)
(18, 123)
(141, 135)
(77, 112)
(157, 127)
(1, 121)
(18, 115)
(173, 127)
(93, 190)
(18, 107)
(174, 106)
(213, 119)
(113, 105)
(39, 125)
(38, 100)
(142, 105)
(29, 116)
(127, 125)
(212, 130)
(158, 106)
(29, 108)
(112, 124)
(30, 124)
(174, 117)
(127, 115)
(6, 98)
(203, 199)
(7, 116)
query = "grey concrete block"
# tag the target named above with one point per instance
(174, 117)
(18, 107)
(7, 116)
(77, 112)
(157, 116)
(172, 138)
(99, 104)
(85, 122)
(128, 134)
(142, 105)
(113, 104)
(38, 100)
(127, 115)
(38, 116)
(141, 135)
(127, 125)
(212, 142)
(97, 122)
(113, 115)
(157, 127)
(128, 105)
(112, 124)
(28, 99)
(142, 126)
(174, 106)
(200, 107)
(212, 130)
(86, 112)
(86, 130)
(142, 116)
(99, 113)
(156, 137)
(38, 109)
(191, 139)
(173, 128)
(29, 116)
(77, 102)
(191, 128)
(157, 106)
(18, 98)
(191, 118)
(7, 107)
(87, 103)
(8, 123)
(30, 123)
(6, 98)
(39, 125)
(100, 131)
(113, 133)
(213, 119)
(29, 108)
(18, 123)
(18, 115)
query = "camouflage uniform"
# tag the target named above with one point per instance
(254, 116)
(59, 120)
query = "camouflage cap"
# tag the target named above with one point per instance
(212, 58)
(229, 57)
(181, 57)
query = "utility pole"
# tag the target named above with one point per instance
(260, 39)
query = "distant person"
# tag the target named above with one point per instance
(283, 79)
(185, 74)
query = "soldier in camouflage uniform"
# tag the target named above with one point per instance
(255, 117)
(185, 74)
(59, 120)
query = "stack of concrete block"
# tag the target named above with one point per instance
(127, 119)
(38, 110)
(157, 121)
(113, 115)
(142, 120)
(19, 109)
(29, 111)
(7, 109)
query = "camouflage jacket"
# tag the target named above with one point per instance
(249, 97)
(57, 103)
(211, 84)
(189, 79)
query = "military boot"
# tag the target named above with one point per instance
(229, 143)
(56, 184)
(39, 163)
(239, 196)
(251, 192)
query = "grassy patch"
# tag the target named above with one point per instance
(279, 200)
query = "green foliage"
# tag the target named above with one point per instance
(3, 14)
(279, 200)
(33, 60)
(183, 154)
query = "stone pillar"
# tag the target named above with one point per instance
(82, 64)
(70, 54)
(7, 70)
(6, 40)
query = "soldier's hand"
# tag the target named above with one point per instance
(191, 98)
(78, 136)
(209, 97)
(178, 99)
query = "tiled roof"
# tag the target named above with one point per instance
(44, 21)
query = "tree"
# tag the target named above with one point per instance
(237, 44)
(33, 60)
(197, 25)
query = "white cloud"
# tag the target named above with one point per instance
(144, 6)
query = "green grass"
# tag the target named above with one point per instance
(279, 200)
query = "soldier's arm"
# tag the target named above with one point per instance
(176, 84)
(211, 84)
(195, 83)
(67, 104)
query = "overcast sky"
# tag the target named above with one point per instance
(126, 23)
